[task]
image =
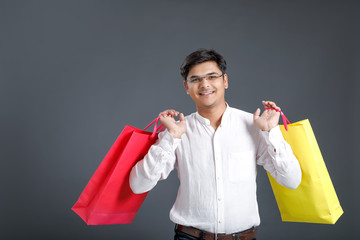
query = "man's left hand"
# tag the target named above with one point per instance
(269, 118)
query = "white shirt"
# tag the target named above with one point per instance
(217, 170)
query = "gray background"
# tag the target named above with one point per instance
(74, 73)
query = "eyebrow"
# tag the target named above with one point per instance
(196, 76)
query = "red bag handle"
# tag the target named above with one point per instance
(285, 120)
(156, 128)
(162, 128)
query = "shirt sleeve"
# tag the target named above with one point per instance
(276, 156)
(156, 165)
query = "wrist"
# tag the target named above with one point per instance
(175, 134)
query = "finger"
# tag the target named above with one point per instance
(163, 113)
(168, 112)
(266, 104)
(181, 117)
(173, 112)
(273, 105)
(277, 107)
(256, 113)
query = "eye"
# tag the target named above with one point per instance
(213, 77)
(195, 80)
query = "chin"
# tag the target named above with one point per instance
(207, 105)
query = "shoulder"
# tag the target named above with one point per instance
(243, 121)
(191, 117)
(240, 114)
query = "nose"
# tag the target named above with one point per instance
(204, 82)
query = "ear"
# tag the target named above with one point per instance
(186, 87)
(226, 82)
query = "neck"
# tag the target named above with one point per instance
(213, 114)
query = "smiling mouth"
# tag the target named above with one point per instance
(206, 93)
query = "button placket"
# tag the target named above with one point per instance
(219, 183)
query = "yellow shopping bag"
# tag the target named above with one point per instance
(315, 200)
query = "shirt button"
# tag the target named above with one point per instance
(220, 221)
(219, 199)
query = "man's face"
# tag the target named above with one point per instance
(209, 92)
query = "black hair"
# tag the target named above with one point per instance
(200, 56)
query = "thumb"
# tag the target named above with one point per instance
(181, 117)
(257, 114)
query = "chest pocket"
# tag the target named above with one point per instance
(242, 166)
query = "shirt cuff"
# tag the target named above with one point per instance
(274, 137)
(167, 142)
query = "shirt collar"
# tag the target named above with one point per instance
(224, 118)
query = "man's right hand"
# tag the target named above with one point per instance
(176, 129)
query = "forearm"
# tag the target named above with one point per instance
(278, 159)
(156, 165)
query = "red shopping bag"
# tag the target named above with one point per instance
(107, 198)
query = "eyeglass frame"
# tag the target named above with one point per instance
(206, 77)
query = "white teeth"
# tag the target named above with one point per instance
(206, 93)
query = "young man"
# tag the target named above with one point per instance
(215, 151)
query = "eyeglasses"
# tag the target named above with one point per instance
(208, 77)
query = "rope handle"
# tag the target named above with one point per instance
(285, 120)
(161, 127)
